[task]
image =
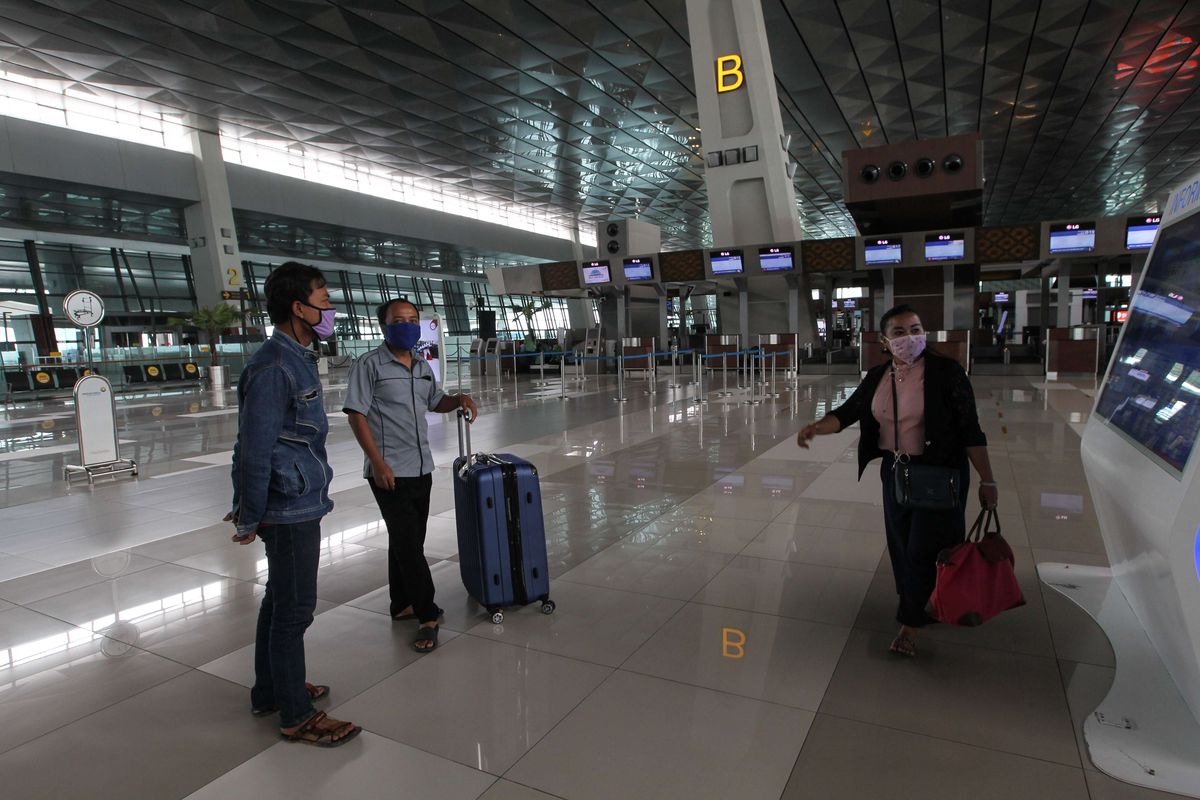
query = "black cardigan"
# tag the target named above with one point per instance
(951, 421)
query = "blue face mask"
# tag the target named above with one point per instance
(402, 335)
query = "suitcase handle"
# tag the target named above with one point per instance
(464, 434)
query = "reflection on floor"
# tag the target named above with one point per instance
(724, 610)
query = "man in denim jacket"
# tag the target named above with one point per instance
(280, 493)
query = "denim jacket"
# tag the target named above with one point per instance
(280, 470)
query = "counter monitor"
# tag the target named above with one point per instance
(639, 269)
(775, 259)
(595, 273)
(945, 246)
(726, 262)
(1139, 232)
(883, 250)
(1073, 237)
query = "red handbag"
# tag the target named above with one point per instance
(975, 579)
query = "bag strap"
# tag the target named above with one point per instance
(896, 421)
(983, 526)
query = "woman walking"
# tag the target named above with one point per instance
(918, 407)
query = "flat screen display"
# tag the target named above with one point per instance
(1090, 294)
(726, 262)
(883, 251)
(775, 259)
(1139, 232)
(639, 269)
(1152, 394)
(1001, 297)
(596, 272)
(1073, 237)
(944, 246)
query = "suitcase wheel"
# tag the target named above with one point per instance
(548, 607)
(497, 617)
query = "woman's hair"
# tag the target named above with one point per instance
(894, 312)
(382, 312)
(288, 283)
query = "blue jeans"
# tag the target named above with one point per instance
(293, 551)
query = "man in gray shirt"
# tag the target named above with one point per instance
(390, 389)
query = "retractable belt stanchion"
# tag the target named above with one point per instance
(774, 394)
(562, 377)
(751, 357)
(621, 398)
(725, 375)
(674, 384)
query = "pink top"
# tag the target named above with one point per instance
(910, 396)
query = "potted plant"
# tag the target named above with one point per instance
(212, 320)
(527, 310)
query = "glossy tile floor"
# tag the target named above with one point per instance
(724, 609)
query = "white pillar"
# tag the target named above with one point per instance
(216, 262)
(749, 201)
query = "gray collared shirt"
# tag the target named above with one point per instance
(394, 401)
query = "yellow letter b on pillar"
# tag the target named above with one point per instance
(733, 643)
(729, 73)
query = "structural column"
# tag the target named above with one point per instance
(216, 262)
(750, 194)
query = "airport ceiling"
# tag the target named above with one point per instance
(587, 108)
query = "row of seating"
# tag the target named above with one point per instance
(53, 378)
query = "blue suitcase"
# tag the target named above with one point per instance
(501, 533)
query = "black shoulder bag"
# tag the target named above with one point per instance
(920, 485)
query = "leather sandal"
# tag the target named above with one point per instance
(316, 732)
(426, 635)
(903, 646)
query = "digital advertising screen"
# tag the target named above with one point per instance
(1152, 394)
(1073, 237)
(639, 269)
(775, 259)
(945, 246)
(595, 273)
(1139, 232)
(726, 262)
(883, 251)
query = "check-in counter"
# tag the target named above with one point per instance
(715, 344)
(1073, 351)
(638, 351)
(783, 345)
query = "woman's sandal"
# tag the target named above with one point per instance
(322, 731)
(315, 693)
(426, 635)
(903, 646)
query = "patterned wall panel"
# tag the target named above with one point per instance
(827, 255)
(682, 266)
(560, 275)
(1007, 244)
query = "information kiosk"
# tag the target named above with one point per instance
(1143, 469)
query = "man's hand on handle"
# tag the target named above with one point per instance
(470, 410)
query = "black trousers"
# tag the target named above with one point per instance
(405, 511)
(914, 539)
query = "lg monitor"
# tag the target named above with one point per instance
(1073, 237)
(596, 273)
(945, 246)
(726, 262)
(639, 269)
(883, 251)
(1139, 232)
(775, 259)
(1090, 294)
(1001, 297)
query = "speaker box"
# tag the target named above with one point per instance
(627, 237)
(944, 175)
(487, 324)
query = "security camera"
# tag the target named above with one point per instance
(870, 173)
(897, 170)
(925, 167)
(953, 163)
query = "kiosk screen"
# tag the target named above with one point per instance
(1153, 389)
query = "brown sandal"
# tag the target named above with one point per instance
(903, 646)
(322, 731)
(315, 693)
